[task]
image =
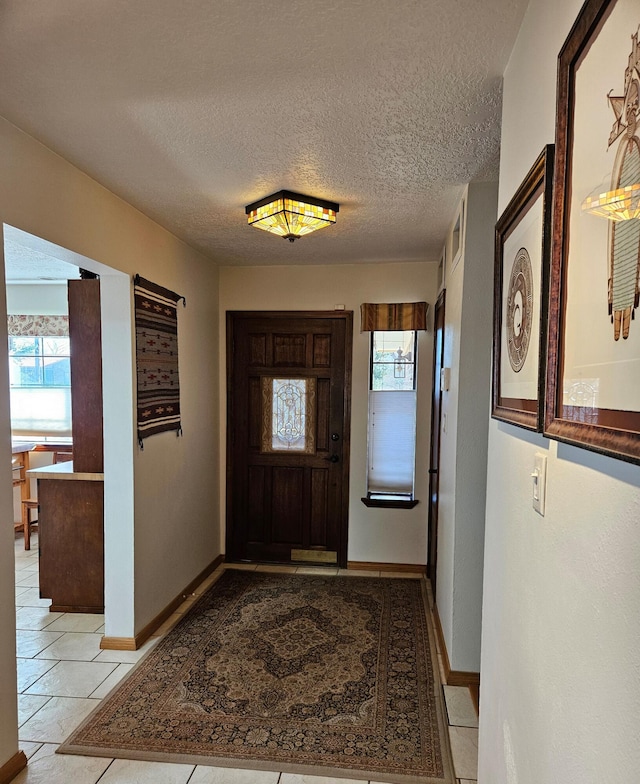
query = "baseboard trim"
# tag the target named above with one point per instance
(118, 644)
(452, 677)
(76, 608)
(133, 643)
(461, 678)
(441, 643)
(12, 767)
(387, 567)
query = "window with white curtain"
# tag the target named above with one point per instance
(40, 385)
(392, 416)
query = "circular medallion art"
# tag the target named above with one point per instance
(519, 310)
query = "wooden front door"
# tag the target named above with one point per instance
(288, 402)
(436, 416)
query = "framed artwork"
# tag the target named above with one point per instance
(521, 278)
(593, 376)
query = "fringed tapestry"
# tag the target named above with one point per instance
(156, 358)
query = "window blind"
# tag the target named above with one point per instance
(40, 411)
(392, 441)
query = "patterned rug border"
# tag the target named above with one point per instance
(68, 747)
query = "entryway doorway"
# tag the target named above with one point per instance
(288, 402)
(27, 259)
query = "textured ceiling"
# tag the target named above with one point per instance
(190, 110)
(25, 264)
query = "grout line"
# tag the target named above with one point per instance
(104, 771)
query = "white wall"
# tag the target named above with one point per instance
(379, 535)
(48, 299)
(463, 440)
(560, 689)
(174, 497)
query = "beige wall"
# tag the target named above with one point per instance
(173, 500)
(381, 535)
(463, 438)
(560, 688)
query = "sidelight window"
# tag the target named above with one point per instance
(392, 416)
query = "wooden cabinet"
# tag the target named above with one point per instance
(86, 374)
(71, 541)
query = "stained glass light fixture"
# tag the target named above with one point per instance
(617, 205)
(291, 215)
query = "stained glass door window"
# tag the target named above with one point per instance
(288, 415)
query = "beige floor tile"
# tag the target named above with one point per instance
(31, 598)
(134, 772)
(26, 555)
(78, 622)
(464, 749)
(72, 678)
(468, 781)
(29, 643)
(111, 681)
(321, 571)
(35, 618)
(29, 670)
(28, 705)
(247, 567)
(73, 646)
(460, 709)
(128, 657)
(297, 778)
(29, 748)
(278, 568)
(47, 767)
(206, 775)
(29, 579)
(57, 719)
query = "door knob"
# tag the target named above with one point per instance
(332, 458)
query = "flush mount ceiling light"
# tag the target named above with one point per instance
(291, 215)
(617, 205)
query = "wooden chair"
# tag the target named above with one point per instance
(19, 468)
(62, 456)
(28, 505)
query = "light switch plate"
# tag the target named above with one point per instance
(539, 477)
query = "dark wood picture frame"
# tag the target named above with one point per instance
(611, 431)
(537, 185)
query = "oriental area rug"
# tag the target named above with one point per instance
(332, 676)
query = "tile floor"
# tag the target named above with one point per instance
(62, 674)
